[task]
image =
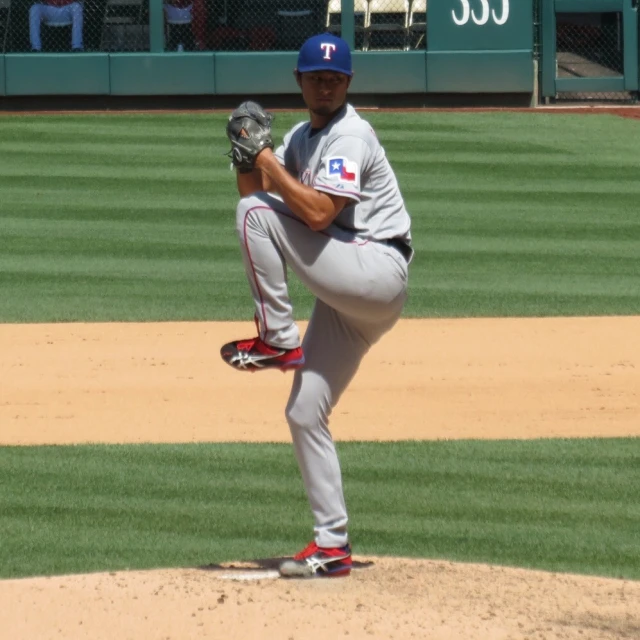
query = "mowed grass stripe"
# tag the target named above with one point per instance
(528, 218)
(162, 147)
(153, 165)
(129, 127)
(61, 203)
(537, 248)
(516, 214)
(133, 231)
(147, 179)
(550, 504)
(560, 175)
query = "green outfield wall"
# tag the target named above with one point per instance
(468, 47)
(471, 46)
(211, 73)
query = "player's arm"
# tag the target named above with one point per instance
(316, 208)
(252, 182)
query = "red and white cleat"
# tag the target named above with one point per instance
(255, 355)
(315, 561)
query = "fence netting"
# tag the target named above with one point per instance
(54, 26)
(205, 25)
(590, 45)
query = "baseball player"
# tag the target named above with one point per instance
(53, 11)
(191, 12)
(327, 205)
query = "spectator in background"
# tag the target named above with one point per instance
(56, 12)
(179, 14)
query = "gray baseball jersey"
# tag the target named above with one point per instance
(357, 268)
(346, 159)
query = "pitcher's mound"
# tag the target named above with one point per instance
(386, 598)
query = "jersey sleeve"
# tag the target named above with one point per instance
(280, 151)
(284, 153)
(341, 167)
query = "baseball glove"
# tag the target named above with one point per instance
(249, 131)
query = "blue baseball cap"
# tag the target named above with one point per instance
(325, 52)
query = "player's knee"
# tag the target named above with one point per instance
(248, 212)
(298, 418)
(245, 207)
(305, 416)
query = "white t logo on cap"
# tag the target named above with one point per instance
(328, 48)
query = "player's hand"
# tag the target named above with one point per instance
(249, 132)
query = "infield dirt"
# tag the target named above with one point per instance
(427, 379)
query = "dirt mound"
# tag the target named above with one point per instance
(393, 599)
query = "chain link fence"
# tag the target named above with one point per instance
(283, 25)
(55, 26)
(590, 45)
(205, 25)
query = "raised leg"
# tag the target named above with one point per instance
(364, 281)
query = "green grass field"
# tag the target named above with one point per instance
(565, 505)
(131, 217)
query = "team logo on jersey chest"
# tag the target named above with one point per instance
(342, 169)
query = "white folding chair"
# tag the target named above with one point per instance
(361, 21)
(360, 18)
(334, 11)
(417, 26)
(388, 17)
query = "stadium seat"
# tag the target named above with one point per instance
(417, 26)
(333, 23)
(122, 27)
(387, 24)
(361, 17)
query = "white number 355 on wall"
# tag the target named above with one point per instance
(485, 13)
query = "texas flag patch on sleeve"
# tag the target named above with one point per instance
(342, 169)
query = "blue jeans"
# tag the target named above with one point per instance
(70, 13)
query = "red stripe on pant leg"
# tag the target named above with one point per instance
(246, 244)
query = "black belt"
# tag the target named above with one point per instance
(402, 247)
